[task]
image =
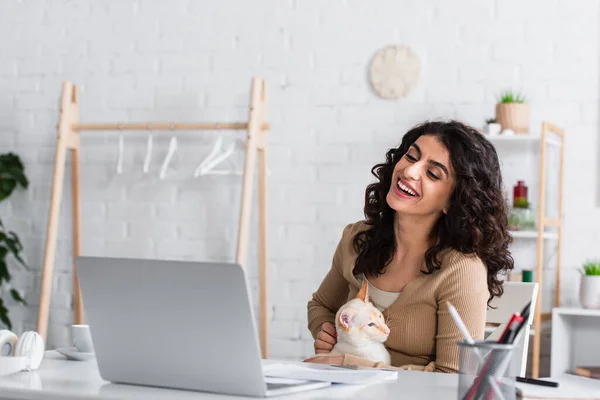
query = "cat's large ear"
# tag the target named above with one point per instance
(346, 317)
(363, 293)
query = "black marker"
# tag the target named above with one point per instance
(537, 381)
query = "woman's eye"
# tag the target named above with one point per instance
(433, 176)
(410, 158)
(371, 324)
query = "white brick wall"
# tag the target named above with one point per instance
(193, 60)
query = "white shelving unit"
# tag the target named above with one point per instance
(532, 138)
(542, 140)
(574, 339)
(533, 235)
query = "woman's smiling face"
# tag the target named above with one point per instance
(423, 180)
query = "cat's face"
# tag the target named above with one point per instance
(360, 319)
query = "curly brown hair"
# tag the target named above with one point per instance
(477, 219)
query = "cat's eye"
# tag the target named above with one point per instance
(371, 324)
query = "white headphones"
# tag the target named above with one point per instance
(20, 353)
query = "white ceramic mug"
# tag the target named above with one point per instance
(82, 338)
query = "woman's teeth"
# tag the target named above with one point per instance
(406, 189)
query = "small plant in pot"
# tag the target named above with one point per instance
(512, 112)
(589, 291)
(492, 127)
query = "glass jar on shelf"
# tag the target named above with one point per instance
(522, 219)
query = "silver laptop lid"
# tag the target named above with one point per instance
(178, 324)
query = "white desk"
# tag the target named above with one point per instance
(58, 378)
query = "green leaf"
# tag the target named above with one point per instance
(12, 243)
(4, 315)
(15, 246)
(13, 236)
(509, 96)
(6, 187)
(17, 296)
(18, 176)
(591, 268)
(12, 173)
(4, 274)
(10, 161)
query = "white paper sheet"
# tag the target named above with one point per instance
(328, 373)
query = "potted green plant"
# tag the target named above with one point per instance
(512, 112)
(492, 127)
(589, 290)
(12, 175)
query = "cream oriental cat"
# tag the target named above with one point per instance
(361, 329)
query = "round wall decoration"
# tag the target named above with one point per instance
(395, 71)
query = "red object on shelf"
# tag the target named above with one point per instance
(519, 192)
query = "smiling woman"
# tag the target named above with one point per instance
(435, 232)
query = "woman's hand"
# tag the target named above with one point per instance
(326, 338)
(335, 360)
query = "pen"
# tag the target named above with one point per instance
(463, 329)
(460, 324)
(511, 332)
(525, 315)
(537, 381)
(512, 325)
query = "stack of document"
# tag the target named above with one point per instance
(328, 373)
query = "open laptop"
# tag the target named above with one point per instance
(176, 324)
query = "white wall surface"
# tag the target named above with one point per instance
(190, 60)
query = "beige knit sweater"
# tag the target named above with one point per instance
(423, 333)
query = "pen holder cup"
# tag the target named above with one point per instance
(485, 372)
